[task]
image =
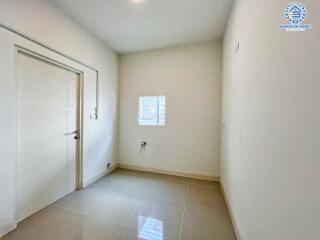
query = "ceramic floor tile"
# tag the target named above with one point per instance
(163, 215)
(42, 225)
(135, 186)
(171, 190)
(134, 234)
(114, 207)
(206, 224)
(208, 196)
(109, 182)
(150, 206)
(87, 228)
(79, 200)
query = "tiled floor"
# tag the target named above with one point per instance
(130, 205)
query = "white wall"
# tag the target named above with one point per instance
(190, 78)
(271, 138)
(42, 21)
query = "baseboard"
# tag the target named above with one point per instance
(173, 173)
(233, 220)
(94, 179)
(6, 227)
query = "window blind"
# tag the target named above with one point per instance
(152, 110)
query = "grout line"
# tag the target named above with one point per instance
(209, 208)
(83, 214)
(147, 195)
(132, 214)
(129, 218)
(62, 229)
(184, 210)
(167, 199)
(78, 213)
(126, 223)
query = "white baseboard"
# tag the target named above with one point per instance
(173, 173)
(6, 227)
(233, 220)
(94, 179)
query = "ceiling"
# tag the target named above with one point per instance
(137, 25)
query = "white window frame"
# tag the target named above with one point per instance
(160, 118)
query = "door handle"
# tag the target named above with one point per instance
(71, 133)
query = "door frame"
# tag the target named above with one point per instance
(19, 50)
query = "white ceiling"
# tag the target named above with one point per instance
(149, 24)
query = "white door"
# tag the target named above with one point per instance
(47, 110)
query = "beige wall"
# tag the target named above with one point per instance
(190, 78)
(42, 21)
(271, 138)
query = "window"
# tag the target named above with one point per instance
(152, 110)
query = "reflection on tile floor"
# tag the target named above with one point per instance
(132, 205)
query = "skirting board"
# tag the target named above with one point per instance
(233, 220)
(108, 171)
(6, 227)
(166, 172)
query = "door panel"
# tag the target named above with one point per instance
(45, 166)
(72, 125)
